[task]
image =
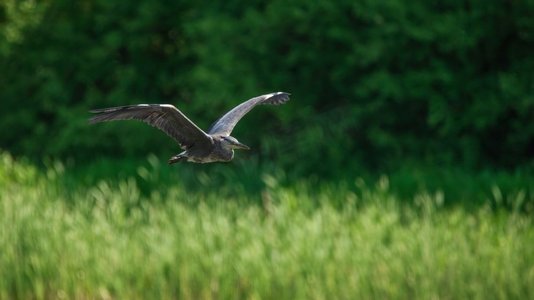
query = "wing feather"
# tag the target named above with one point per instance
(165, 117)
(225, 124)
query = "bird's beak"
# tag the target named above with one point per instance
(238, 145)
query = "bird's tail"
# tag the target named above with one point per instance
(177, 158)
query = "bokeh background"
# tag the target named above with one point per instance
(374, 85)
(402, 167)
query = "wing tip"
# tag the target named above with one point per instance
(117, 108)
(97, 110)
(95, 119)
(278, 98)
(107, 110)
(280, 93)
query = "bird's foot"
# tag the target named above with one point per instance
(177, 158)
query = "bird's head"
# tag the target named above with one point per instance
(230, 142)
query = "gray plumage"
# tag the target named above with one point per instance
(198, 146)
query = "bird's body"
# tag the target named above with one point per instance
(199, 146)
(219, 152)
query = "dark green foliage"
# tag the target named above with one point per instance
(85, 55)
(383, 81)
(374, 83)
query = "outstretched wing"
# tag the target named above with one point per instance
(165, 117)
(225, 124)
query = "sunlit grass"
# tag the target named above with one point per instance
(113, 240)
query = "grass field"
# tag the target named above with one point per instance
(141, 237)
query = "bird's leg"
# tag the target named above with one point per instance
(177, 158)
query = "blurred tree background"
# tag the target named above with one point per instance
(375, 84)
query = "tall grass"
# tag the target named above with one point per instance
(112, 240)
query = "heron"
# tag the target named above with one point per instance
(217, 145)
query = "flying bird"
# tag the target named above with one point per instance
(199, 146)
